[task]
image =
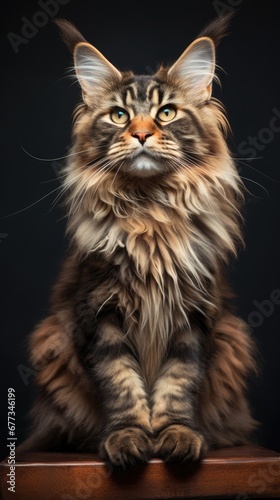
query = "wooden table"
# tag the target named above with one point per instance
(241, 473)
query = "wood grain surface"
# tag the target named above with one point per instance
(241, 473)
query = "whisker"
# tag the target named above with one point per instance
(66, 185)
(236, 175)
(114, 178)
(242, 161)
(88, 150)
(79, 196)
(255, 182)
(31, 205)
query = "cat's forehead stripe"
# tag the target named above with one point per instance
(143, 90)
(130, 94)
(155, 94)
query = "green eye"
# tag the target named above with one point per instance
(166, 113)
(120, 116)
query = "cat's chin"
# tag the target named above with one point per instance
(143, 166)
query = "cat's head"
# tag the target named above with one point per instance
(143, 126)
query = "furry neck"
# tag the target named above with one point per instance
(187, 215)
(168, 240)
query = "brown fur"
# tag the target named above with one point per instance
(142, 353)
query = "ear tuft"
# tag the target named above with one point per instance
(94, 72)
(69, 33)
(218, 28)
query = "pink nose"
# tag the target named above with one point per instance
(142, 135)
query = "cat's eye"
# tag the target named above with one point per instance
(119, 115)
(166, 113)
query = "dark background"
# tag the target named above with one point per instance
(37, 101)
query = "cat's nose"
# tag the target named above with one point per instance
(142, 135)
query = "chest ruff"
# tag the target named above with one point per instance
(160, 287)
(167, 247)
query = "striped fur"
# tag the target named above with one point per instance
(142, 354)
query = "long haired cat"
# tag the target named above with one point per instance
(142, 354)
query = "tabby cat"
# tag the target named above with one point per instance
(142, 354)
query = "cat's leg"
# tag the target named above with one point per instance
(226, 416)
(114, 369)
(65, 413)
(47, 432)
(175, 419)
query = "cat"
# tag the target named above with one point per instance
(142, 353)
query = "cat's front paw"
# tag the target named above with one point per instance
(126, 447)
(178, 443)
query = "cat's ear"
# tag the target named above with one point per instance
(93, 70)
(195, 68)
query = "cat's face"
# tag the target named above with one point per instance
(150, 147)
(145, 126)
